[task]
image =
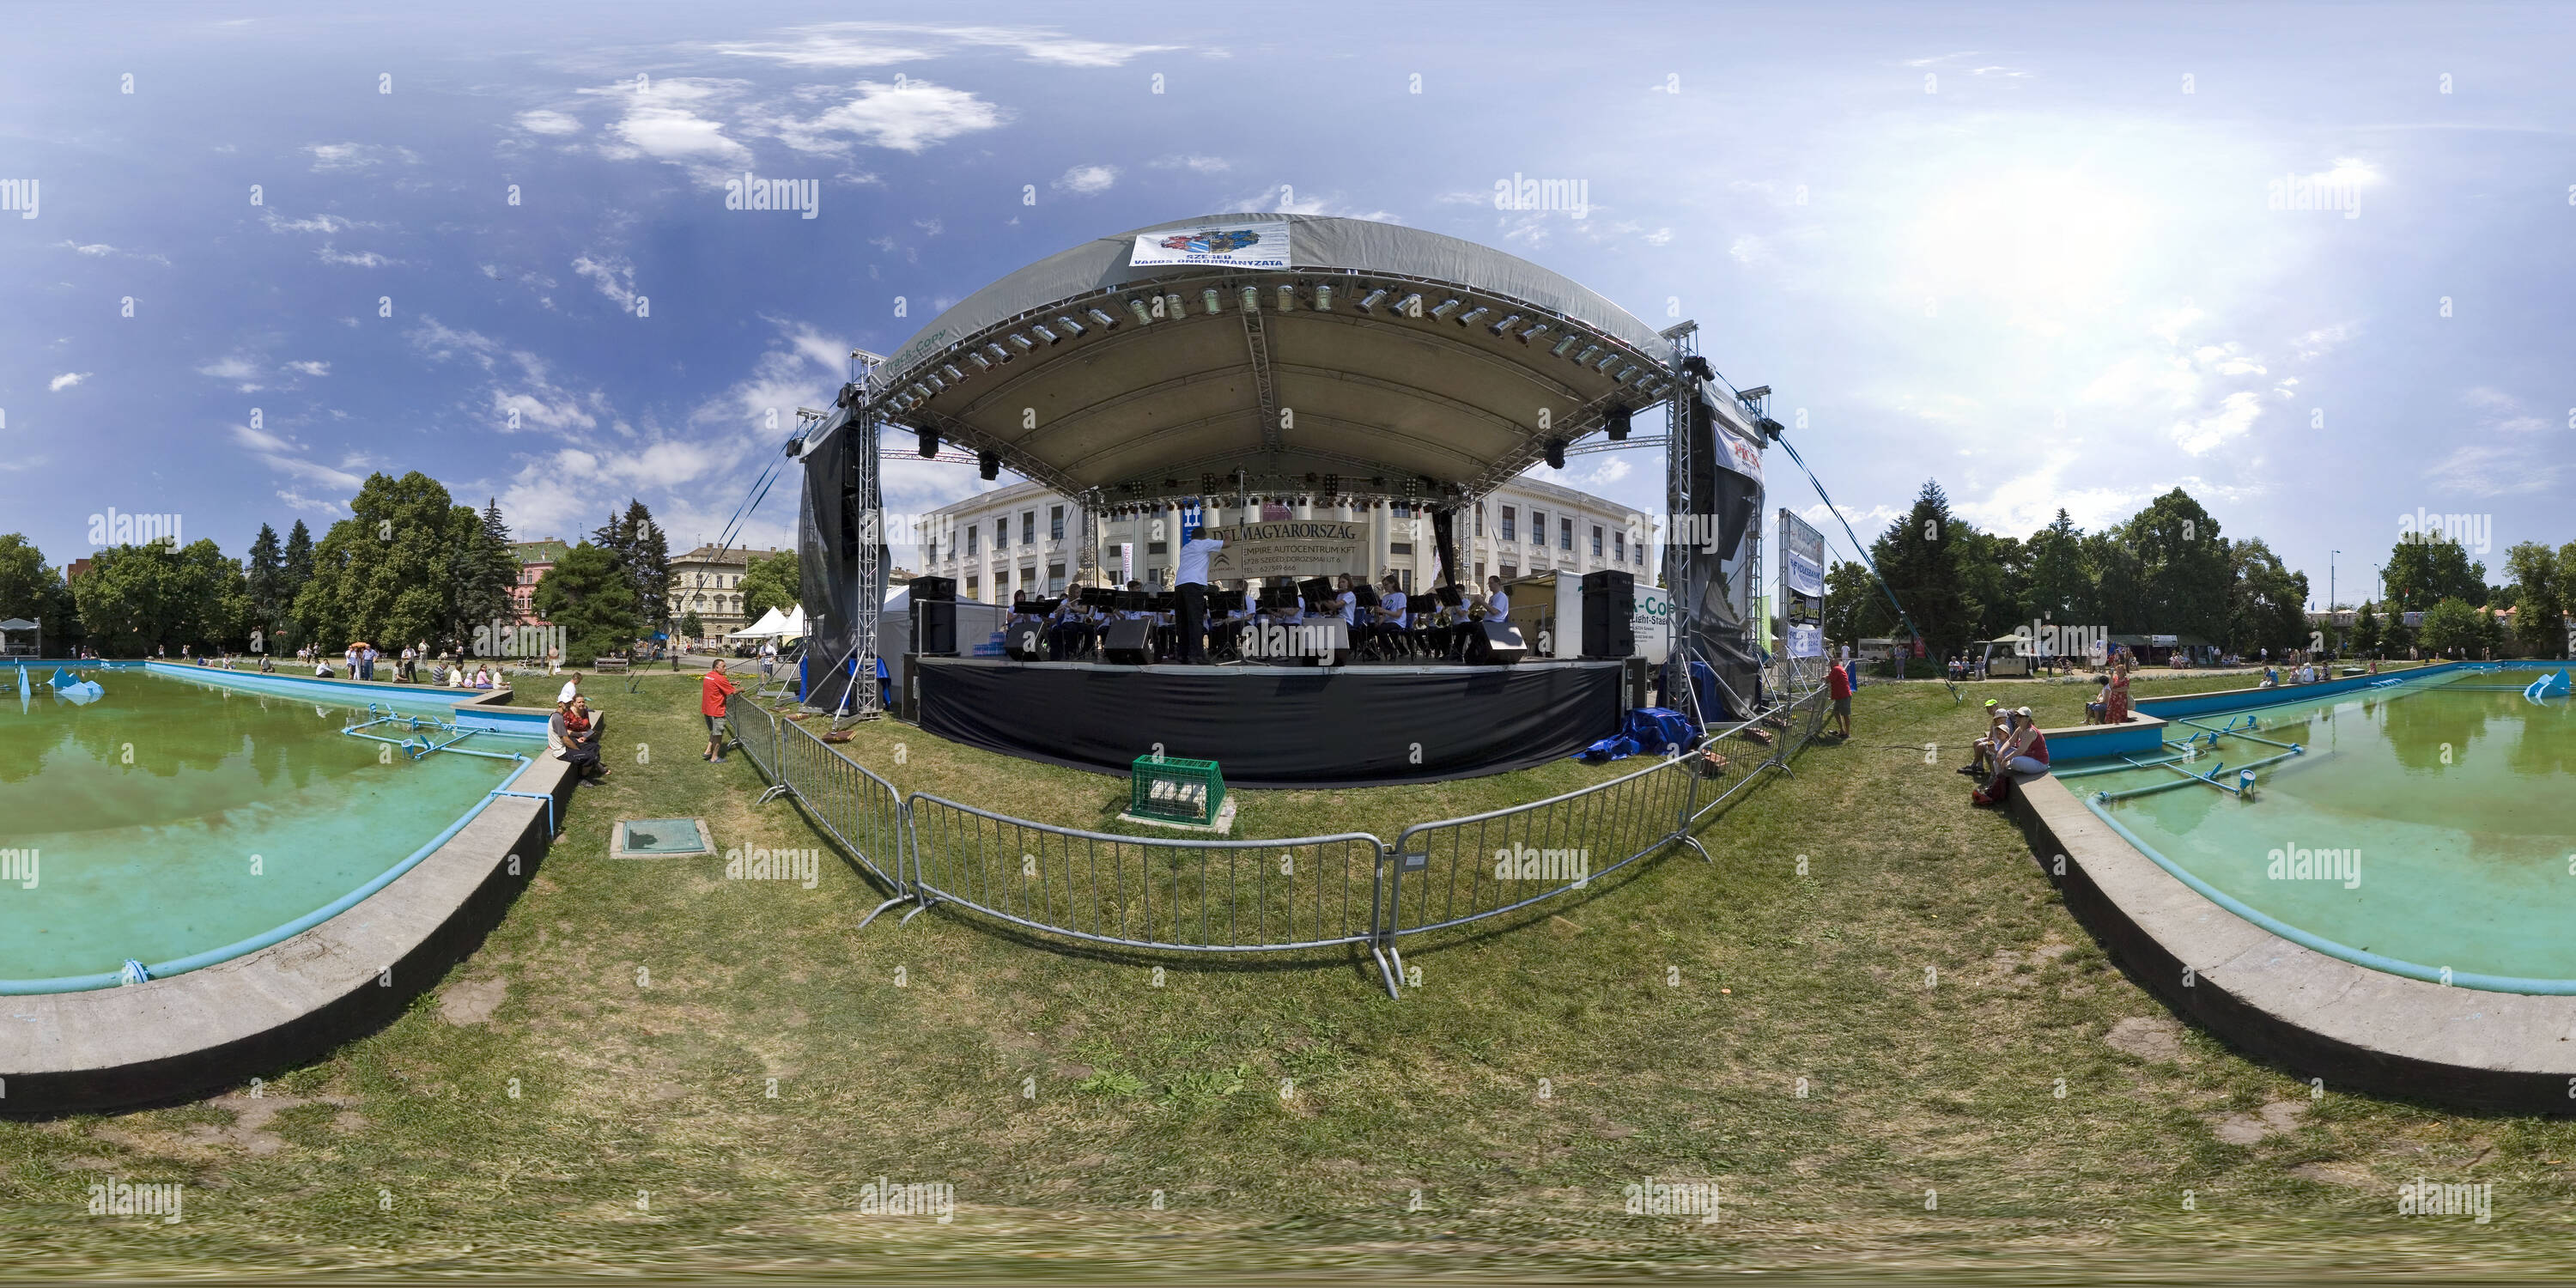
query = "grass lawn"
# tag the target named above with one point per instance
(1870, 999)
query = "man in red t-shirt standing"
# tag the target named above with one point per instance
(712, 692)
(1838, 687)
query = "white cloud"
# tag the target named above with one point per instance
(237, 368)
(907, 118)
(66, 381)
(298, 501)
(328, 157)
(1611, 469)
(614, 275)
(872, 44)
(2323, 340)
(664, 121)
(2236, 413)
(101, 250)
(311, 368)
(544, 121)
(438, 342)
(355, 259)
(1213, 165)
(1085, 180)
(316, 224)
(280, 454)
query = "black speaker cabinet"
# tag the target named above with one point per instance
(1609, 613)
(907, 695)
(1128, 643)
(934, 628)
(1025, 642)
(1495, 644)
(926, 589)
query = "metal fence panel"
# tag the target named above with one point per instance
(845, 798)
(1150, 892)
(1465, 869)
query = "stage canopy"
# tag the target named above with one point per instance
(1321, 355)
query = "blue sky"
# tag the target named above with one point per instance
(2031, 251)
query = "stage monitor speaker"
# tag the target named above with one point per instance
(1128, 643)
(907, 695)
(928, 589)
(1609, 613)
(1025, 642)
(934, 628)
(1495, 644)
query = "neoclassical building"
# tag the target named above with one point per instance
(708, 582)
(1025, 537)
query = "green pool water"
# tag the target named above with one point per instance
(2458, 805)
(145, 810)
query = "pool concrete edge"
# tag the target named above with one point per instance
(266, 1011)
(2356, 1028)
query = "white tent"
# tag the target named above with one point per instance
(769, 625)
(775, 625)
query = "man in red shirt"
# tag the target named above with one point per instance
(1838, 687)
(712, 692)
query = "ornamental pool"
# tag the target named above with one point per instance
(175, 822)
(2427, 829)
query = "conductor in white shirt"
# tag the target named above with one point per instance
(1498, 606)
(1191, 580)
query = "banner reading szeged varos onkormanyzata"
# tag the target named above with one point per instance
(1292, 548)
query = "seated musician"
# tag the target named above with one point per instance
(1070, 631)
(1390, 614)
(1346, 601)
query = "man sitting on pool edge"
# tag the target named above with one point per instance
(2025, 753)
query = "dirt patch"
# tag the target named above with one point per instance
(472, 1001)
(2278, 1118)
(2351, 1174)
(2153, 1038)
(248, 1132)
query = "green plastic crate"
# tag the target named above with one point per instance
(1183, 791)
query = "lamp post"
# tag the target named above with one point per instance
(2332, 624)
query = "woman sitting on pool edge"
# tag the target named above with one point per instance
(572, 733)
(2025, 752)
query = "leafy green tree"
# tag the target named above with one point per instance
(137, 598)
(771, 582)
(1994, 582)
(2425, 570)
(481, 570)
(643, 559)
(2366, 631)
(26, 585)
(381, 574)
(587, 594)
(2451, 628)
(264, 583)
(2060, 589)
(1919, 558)
(2118, 580)
(2538, 590)
(1854, 608)
(2268, 608)
(294, 575)
(2186, 577)
(690, 625)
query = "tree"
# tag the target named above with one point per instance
(1919, 559)
(297, 572)
(2118, 580)
(2451, 626)
(1854, 608)
(587, 594)
(264, 583)
(690, 626)
(480, 569)
(2268, 602)
(2185, 574)
(2538, 590)
(138, 598)
(2059, 589)
(381, 574)
(2365, 630)
(2425, 568)
(31, 590)
(642, 556)
(771, 582)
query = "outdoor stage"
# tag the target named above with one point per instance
(1277, 726)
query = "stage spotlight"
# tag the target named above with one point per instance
(1023, 342)
(1171, 483)
(1323, 299)
(1697, 368)
(937, 385)
(1534, 333)
(1590, 351)
(1770, 428)
(1615, 422)
(988, 464)
(1333, 484)
(929, 443)
(1556, 453)
(1565, 344)
(981, 362)
(1369, 302)
(1175, 307)
(1606, 360)
(1469, 317)
(1446, 308)
(1627, 373)
(1070, 326)
(1287, 297)
(1252, 299)
(955, 377)
(1137, 307)
(1207, 301)
(1504, 325)
(1410, 306)
(1107, 323)
(1310, 480)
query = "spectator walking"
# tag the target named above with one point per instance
(712, 692)
(1838, 687)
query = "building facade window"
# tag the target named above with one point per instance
(1596, 541)
(1055, 523)
(973, 586)
(970, 542)
(1618, 547)
(1480, 519)
(1565, 534)
(1055, 579)
(1002, 533)
(1028, 527)
(1510, 571)
(1538, 528)
(1511, 518)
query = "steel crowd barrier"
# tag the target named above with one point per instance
(1226, 896)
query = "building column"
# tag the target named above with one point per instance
(1381, 535)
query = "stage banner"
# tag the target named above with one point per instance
(1253, 245)
(1298, 548)
(1802, 596)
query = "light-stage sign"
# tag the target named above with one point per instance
(1261, 245)
(1297, 548)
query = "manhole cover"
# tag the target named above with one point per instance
(660, 838)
